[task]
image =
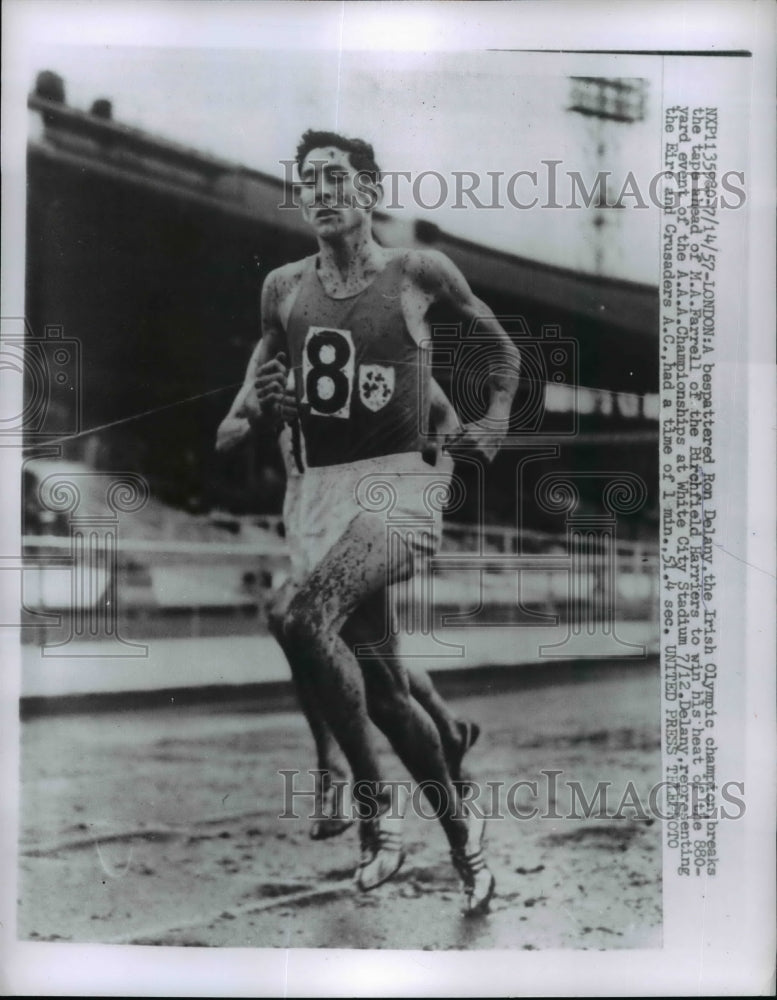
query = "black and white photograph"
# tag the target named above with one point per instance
(383, 556)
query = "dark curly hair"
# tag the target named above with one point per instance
(360, 153)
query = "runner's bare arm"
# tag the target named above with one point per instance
(250, 406)
(442, 422)
(448, 298)
(442, 416)
(235, 427)
(275, 400)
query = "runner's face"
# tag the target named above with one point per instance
(332, 194)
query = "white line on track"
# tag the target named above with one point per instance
(93, 837)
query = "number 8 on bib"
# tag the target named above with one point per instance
(327, 371)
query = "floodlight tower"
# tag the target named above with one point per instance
(607, 105)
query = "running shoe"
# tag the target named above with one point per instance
(381, 852)
(469, 861)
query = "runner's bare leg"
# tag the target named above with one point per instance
(352, 572)
(367, 626)
(328, 754)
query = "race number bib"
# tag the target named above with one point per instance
(327, 371)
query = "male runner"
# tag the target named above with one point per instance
(457, 736)
(352, 319)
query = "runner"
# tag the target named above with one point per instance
(352, 320)
(457, 736)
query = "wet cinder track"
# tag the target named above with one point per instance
(162, 827)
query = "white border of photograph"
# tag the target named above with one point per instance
(742, 959)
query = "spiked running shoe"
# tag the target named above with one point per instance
(332, 820)
(469, 861)
(381, 852)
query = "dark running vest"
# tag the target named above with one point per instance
(357, 370)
